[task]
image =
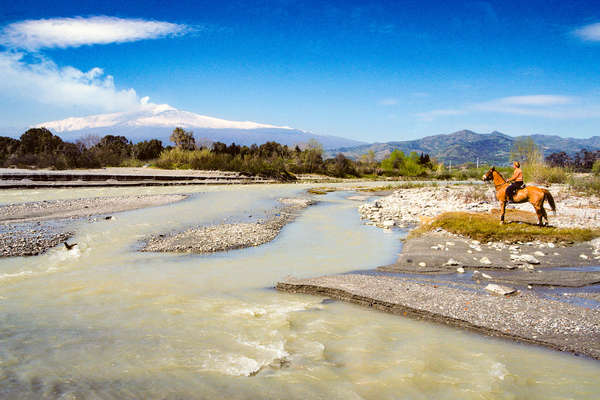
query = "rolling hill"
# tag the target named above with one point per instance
(466, 146)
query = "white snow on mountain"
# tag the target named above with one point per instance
(156, 115)
(157, 121)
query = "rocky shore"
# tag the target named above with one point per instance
(28, 229)
(407, 207)
(443, 252)
(30, 239)
(224, 237)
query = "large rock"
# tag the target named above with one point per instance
(500, 289)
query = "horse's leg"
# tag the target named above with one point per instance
(544, 215)
(502, 211)
(538, 211)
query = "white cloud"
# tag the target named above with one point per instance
(536, 100)
(589, 32)
(42, 81)
(33, 35)
(540, 105)
(390, 101)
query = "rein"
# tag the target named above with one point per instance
(500, 184)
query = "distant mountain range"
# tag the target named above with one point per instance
(466, 146)
(157, 121)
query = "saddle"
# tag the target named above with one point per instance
(515, 190)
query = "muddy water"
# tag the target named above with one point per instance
(106, 321)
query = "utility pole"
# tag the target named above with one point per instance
(477, 162)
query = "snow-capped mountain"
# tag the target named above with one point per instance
(157, 121)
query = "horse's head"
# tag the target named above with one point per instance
(488, 176)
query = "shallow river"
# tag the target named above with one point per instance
(106, 321)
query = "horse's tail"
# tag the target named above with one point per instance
(548, 196)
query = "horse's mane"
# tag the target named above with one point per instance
(498, 172)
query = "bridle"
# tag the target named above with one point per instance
(500, 184)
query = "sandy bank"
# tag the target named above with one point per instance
(224, 237)
(77, 208)
(523, 317)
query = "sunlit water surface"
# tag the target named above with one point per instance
(106, 321)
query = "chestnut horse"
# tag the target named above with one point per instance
(532, 194)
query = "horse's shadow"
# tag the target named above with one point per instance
(527, 223)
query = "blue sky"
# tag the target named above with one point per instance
(367, 70)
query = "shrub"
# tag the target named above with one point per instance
(585, 184)
(544, 174)
(596, 168)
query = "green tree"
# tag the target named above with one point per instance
(148, 149)
(526, 151)
(183, 139)
(394, 161)
(8, 147)
(112, 150)
(39, 141)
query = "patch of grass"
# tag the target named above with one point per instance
(321, 190)
(407, 185)
(487, 227)
(133, 162)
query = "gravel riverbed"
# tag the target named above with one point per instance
(224, 237)
(31, 228)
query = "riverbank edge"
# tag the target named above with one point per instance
(225, 237)
(32, 228)
(419, 314)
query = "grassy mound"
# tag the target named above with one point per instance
(519, 227)
(321, 190)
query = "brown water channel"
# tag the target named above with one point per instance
(106, 321)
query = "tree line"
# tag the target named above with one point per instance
(39, 148)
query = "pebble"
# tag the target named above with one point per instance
(528, 258)
(485, 261)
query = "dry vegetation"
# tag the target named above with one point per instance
(406, 185)
(321, 190)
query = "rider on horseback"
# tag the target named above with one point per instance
(517, 181)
